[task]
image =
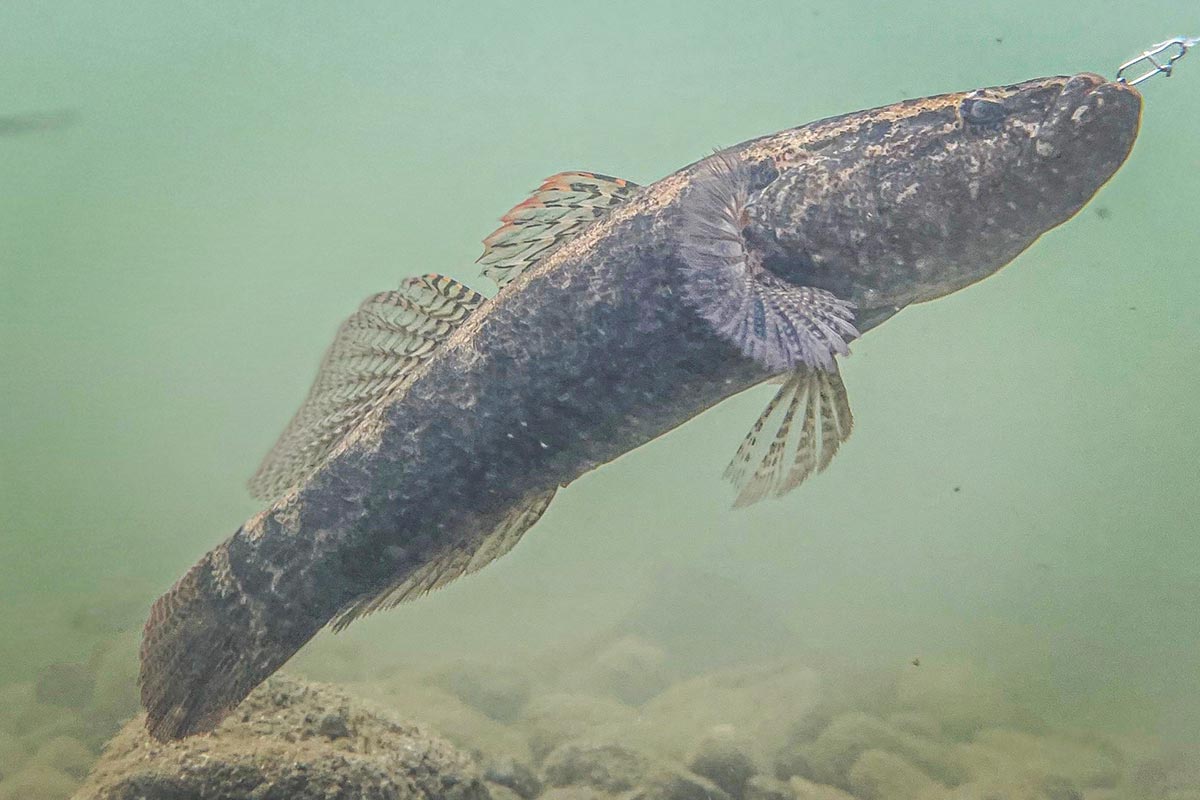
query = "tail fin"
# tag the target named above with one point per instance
(206, 645)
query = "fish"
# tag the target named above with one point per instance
(18, 125)
(442, 423)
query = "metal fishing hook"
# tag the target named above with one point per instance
(1175, 49)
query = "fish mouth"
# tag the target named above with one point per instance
(1089, 110)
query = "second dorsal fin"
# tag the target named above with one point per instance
(560, 208)
(375, 348)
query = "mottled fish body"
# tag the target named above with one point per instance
(441, 424)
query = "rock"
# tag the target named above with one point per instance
(760, 787)
(499, 692)
(15, 700)
(411, 698)
(1015, 788)
(793, 761)
(606, 766)
(273, 748)
(629, 669)
(1056, 787)
(1173, 774)
(13, 755)
(552, 719)
(829, 758)
(38, 782)
(616, 769)
(704, 621)
(498, 791)
(120, 607)
(66, 754)
(335, 724)
(115, 698)
(916, 723)
(879, 775)
(574, 793)
(676, 784)
(804, 789)
(333, 659)
(516, 776)
(69, 685)
(764, 703)
(39, 722)
(998, 753)
(90, 731)
(964, 699)
(723, 757)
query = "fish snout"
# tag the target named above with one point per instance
(1092, 118)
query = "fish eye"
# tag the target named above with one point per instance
(982, 112)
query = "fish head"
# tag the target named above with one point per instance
(910, 202)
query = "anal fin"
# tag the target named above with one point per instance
(462, 558)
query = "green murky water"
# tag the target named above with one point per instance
(1020, 492)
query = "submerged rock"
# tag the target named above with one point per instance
(763, 704)
(879, 775)
(616, 769)
(40, 722)
(575, 793)
(115, 699)
(761, 787)
(606, 766)
(963, 698)
(13, 755)
(66, 754)
(38, 782)
(498, 791)
(999, 752)
(830, 757)
(705, 621)
(15, 698)
(281, 745)
(411, 697)
(1173, 774)
(514, 775)
(723, 756)
(1053, 788)
(629, 669)
(499, 692)
(552, 719)
(119, 608)
(69, 685)
(804, 789)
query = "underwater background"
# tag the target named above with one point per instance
(1018, 502)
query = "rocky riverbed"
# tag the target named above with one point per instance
(619, 717)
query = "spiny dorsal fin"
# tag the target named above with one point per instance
(781, 325)
(560, 208)
(376, 347)
(454, 562)
(796, 436)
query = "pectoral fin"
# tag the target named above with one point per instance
(796, 436)
(781, 325)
